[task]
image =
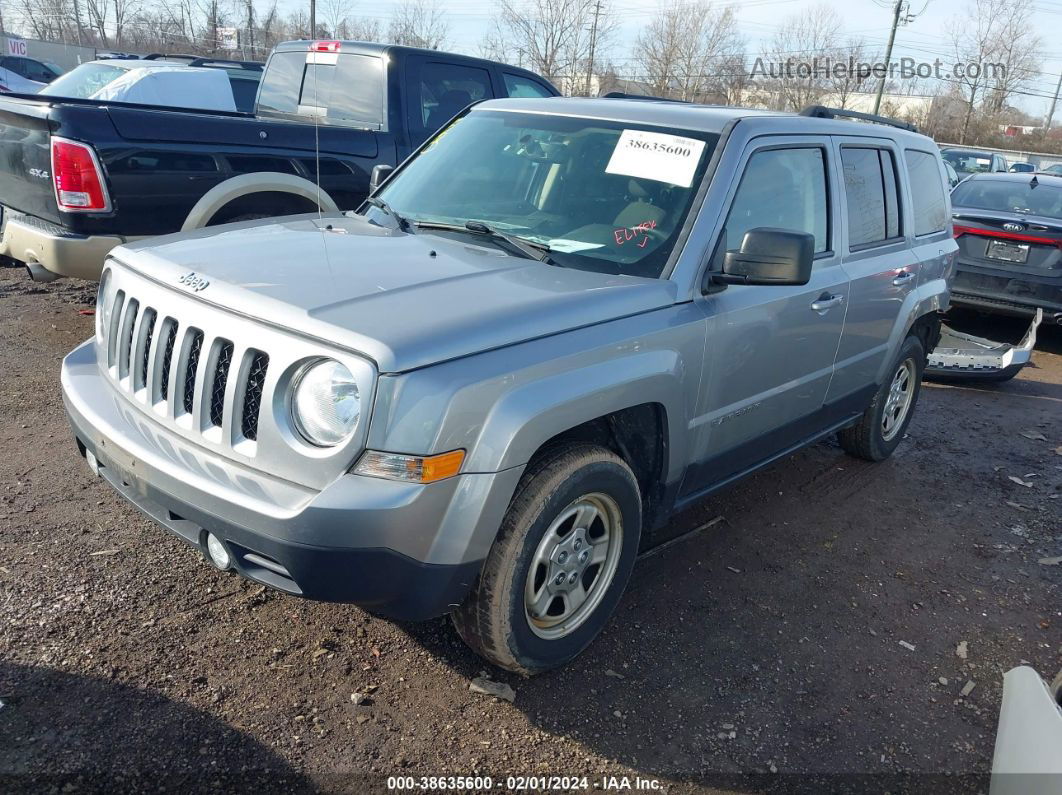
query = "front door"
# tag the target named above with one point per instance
(770, 350)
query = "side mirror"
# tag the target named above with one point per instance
(769, 256)
(379, 176)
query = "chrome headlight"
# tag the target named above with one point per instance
(325, 403)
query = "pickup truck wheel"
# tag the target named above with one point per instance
(881, 427)
(560, 563)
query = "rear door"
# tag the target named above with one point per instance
(877, 258)
(771, 349)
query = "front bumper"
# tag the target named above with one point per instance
(404, 550)
(64, 253)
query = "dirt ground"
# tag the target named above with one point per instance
(816, 639)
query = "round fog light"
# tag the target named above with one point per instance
(217, 553)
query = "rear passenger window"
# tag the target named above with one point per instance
(783, 189)
(927, 193)
(516, 86)
(872, 197)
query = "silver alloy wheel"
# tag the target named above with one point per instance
(898, 402)
(573, 566)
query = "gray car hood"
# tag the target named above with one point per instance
(403, 300)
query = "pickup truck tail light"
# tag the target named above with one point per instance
(324, 46)
(79, 183)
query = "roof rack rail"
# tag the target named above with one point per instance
(202, 60)
(621, 95)
(822, 112)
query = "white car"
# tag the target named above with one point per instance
(1028, 755)
(154, 82)
(20, 75)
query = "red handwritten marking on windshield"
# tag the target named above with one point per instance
(625, 234)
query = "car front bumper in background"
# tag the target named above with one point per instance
(57, 250)
(405, 550)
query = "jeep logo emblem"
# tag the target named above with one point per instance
(193, 281)
(1014, 227)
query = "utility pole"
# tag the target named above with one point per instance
(250, 28)
(593, 43)
(888, 53)
(1050, 112)
(313, 19)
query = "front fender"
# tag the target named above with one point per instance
(526, 417)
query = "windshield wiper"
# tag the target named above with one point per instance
(522, 246)
(403, 223)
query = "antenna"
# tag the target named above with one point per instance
(317, 130)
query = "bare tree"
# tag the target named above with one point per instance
(790, 71)
(97, 12)
(546, 36)
(974, 40)
(1018, 49)
(850, 79)
(688, 50)
(419, 23)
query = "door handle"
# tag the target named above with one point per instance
(826, 301)
(902, 279)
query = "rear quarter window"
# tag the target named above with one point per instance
(927, 192)
(517, 86)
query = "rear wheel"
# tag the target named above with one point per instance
(882, 425)
(561, 561)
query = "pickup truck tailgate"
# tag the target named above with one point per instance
(25, 158)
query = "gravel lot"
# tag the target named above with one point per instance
(819, 637)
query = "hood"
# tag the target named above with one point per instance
(403, 300)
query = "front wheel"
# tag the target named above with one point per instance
(882, 425)
(563, 556)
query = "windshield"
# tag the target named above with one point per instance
(1013, 196)
(83, 81)
(602, 196)
(968, 162)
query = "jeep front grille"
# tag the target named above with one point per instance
(181, 372)
(178, 361)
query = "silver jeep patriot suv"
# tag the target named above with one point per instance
(558, 323)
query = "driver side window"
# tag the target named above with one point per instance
(781, 189)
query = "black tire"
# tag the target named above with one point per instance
(494, 621)
(866, 439)
(238, 218)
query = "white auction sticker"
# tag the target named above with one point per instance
(657, 156)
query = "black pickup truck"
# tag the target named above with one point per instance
(80, 176)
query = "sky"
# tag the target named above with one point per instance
(924, 39)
